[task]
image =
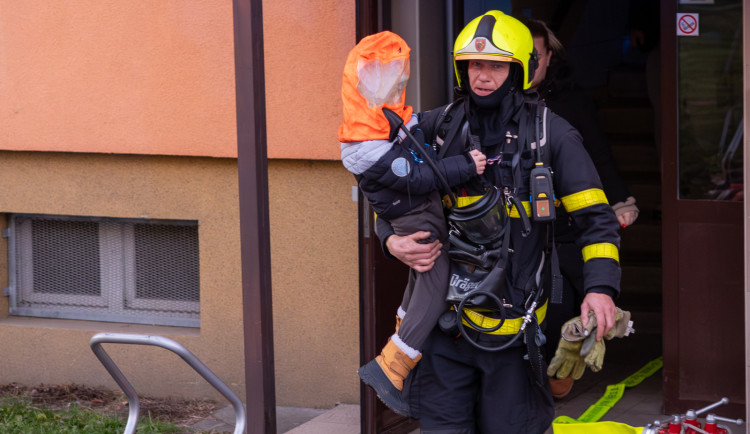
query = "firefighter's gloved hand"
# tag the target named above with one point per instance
(593, 351)
(574, 331)
(567, 361)
(623, 325)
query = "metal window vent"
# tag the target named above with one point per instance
(103, 269)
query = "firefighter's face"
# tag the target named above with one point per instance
(486, 76)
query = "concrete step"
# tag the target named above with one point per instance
(640, 258)
(648, 199)
(628, 83)
(641, 238)
(635, 152)
(627, 119)
(645, 192)
(642, 278)
(639, 301)
(646, 321)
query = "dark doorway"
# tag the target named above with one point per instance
(614, 75)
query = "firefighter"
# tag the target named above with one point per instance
(459, 387)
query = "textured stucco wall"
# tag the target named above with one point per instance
(306, 44)
(143, 77)
(148, 77)
(314, 259)
(127, 102)
(189, 188)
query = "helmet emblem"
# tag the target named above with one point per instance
(480, 43)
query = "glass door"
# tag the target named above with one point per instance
(709, 58)
(702, 198)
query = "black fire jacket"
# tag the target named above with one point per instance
(577, 188)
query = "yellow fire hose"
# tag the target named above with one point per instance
(589, 423)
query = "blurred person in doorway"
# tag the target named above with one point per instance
(554, 83)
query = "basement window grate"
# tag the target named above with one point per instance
(105, 269)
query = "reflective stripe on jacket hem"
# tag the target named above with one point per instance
(511, 326)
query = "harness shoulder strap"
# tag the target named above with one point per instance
(540, 131)
(446, 127)
(542, 121)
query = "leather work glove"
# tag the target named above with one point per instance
(593, 351)
(623, 325)
(578, 347)
(568, 360)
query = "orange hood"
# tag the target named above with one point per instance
(375, 76)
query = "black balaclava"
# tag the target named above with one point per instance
(488, 115)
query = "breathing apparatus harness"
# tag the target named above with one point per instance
(480, 238)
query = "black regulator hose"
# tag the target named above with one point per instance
(529, 316)
(461, 315)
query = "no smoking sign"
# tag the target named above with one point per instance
(687, 24)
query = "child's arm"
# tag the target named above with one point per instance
(395, 166)
(480, 160)
(402, 171)
(358, 157)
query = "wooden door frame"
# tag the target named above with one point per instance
(675, 211)
(746, 55)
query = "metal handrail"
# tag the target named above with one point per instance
(159, 341)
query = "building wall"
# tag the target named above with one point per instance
(127, 109)
(150, 77)
(314, 258)
(184, 188)
(137, 77)
(305, 45)
(313, 253)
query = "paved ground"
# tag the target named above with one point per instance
(639, 405)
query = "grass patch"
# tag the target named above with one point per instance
(53, 409)
(17, 416)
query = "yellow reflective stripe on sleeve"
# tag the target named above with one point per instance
(601, 250)
(583, 199)
(509, 327)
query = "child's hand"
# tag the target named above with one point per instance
(480, 160)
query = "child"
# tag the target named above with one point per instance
(401, 188)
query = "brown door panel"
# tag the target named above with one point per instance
(704, 348)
